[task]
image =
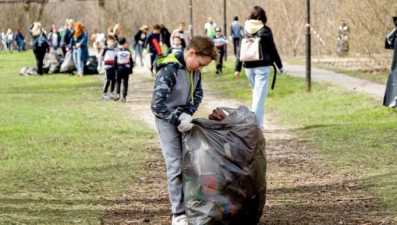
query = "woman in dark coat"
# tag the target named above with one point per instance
(39, 44)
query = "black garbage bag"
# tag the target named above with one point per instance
(91, 66)
(224, 170)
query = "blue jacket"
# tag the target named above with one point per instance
(235, 29)
(19, 37)
(83, 40)
(149, 41)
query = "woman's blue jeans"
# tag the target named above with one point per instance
(77, 60)
(258, 78)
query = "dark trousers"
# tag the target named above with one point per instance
(123, 73)
(236, 45)
(39, 53)
(219, 65)
(152, 58)
(109, 80)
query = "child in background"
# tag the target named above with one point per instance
(123, 65)
(176, 45)
(220, 41)
(176, 97)
(108, 54)
(153, 41)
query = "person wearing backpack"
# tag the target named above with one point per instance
(39, 44)
(258, 71)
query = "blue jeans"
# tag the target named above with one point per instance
(138, 51)
(20, 45)
(258, 78)
(77, 60)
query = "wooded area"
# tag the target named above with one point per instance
(369, 20)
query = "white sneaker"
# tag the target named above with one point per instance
(179, 220)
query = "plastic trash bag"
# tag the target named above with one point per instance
(67, 64)
(224, 170)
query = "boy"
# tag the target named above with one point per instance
(123, 65)
(108, 54)
(176, 46)
(153, 41)
(220, 41)
(176, 96)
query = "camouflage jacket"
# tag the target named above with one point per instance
(176, 89)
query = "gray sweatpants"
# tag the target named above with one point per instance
(171, 147)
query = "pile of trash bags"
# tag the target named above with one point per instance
(224, 169)
(55, 62)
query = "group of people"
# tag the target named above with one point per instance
(9, 39)
(178, 91)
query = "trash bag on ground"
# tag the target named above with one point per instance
(91, 66)
(224, 169)
(55, 62)
(26, 71)
(67, 65)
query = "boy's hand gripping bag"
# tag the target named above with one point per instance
(224, 170)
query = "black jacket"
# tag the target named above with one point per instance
(269, 50)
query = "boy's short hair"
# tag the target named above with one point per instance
(177, 37)
(156, 27)
(111, 37)
(204, 46)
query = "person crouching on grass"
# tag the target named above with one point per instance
(176, 97)
(123, 65)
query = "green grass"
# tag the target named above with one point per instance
(64, 153)
(355, 133)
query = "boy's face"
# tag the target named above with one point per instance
(177, 41)
(195, 62)
(110, 42)
(156, 31)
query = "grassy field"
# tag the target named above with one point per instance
(355, 133)
(65, 154)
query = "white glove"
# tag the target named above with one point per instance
(186, 122)
(185, 126)
(282, 72)
(185, 116)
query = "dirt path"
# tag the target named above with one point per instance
(302, 188)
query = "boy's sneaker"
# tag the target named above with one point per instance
(111, 96)
(179, 220)
(117, 97)
(105, 96)
(124, 99)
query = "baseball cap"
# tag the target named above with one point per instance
(217, 29)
